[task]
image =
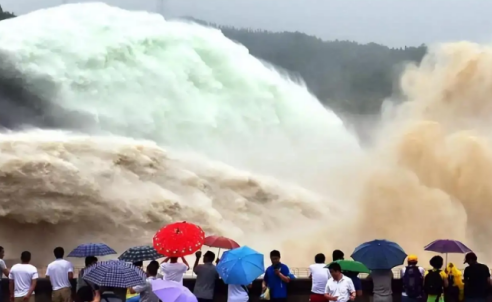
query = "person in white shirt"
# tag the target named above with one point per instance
(238, 293)
(174, 270)
(60, 273)
(319, 275)
(23, 279)
(145, 291)
(339, 288)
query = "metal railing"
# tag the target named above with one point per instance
(299, 272)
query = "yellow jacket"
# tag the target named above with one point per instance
(458, 278)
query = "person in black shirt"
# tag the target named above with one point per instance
(477, 279)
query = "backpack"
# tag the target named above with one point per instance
(413, 282)
(433, 283)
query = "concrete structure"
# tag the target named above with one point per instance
(299, 290)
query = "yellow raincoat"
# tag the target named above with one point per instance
(458, 278)
(130, 295)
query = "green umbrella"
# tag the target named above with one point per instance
(352, 266)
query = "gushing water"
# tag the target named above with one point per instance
(148, 121)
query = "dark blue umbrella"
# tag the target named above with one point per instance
(115, 273)
(140, 253)
(91, 249)
(379, 254)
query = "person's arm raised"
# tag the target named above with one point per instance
(198, 255)
(185, 262)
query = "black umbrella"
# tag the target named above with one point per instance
(140, 253)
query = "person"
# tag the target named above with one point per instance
(413, 280)
(106, 294)
(382, 280)
(339, 255)
(59, 273)
(86, 289)
(3, 268)
(174, 270)
(339, 288)
(132, 296)
(435, 280)
(145, 291)
(276, 278)
(206, 275)
(454, 291)
(23, 279)
(477, 279)
(319, 275)
(238, 293)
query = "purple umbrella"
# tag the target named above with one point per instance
(171, 291)
(446, 246)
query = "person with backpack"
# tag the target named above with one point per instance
(435, 280)
(413, 281)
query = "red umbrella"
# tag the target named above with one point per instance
(220, 242)
(178, 239)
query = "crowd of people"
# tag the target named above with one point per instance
(329, 282)
(433, 285)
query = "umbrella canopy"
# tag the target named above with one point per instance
(91, 249)
(352, 266)
(115, 273)
(178, 239)
(240, 266)
(140, 253)
(220, 242)
(171, 291)
(445, 246)
(379, 254)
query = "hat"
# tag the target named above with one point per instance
(412, 258)
(470, 257)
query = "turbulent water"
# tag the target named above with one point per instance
(119, 122)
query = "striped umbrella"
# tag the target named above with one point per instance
(115, 273)
(91, 249)
(140, 253)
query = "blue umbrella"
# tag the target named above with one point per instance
(379, 254)
(91, 249)
(240, 266)
(115, 273)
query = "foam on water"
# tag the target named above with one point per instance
(190, 90)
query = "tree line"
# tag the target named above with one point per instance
(5, 14)
(347, 76)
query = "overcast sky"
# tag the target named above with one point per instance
(390, 22)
